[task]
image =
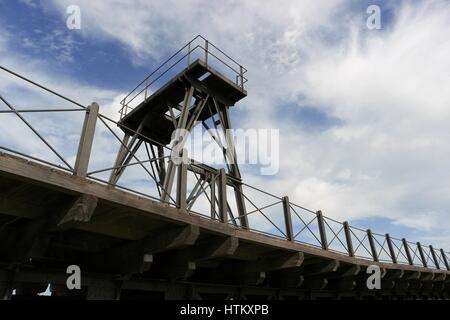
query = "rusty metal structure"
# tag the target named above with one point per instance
(177, 230)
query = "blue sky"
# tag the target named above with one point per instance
(362, 113)
(40, 33)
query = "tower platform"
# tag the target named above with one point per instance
(206, 80)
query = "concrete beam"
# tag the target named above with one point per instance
(345, 271)
(342, 285)
(387, 284)
(254, 272)
(216, 248)
(173, 268)
(321, 268)
(81, 211)
(182, 263)
(439, 277)
(427, 276)
(315, 283)
(415, 275)
(286, 278)
(394, 274)
(137, 256)
(415, 285)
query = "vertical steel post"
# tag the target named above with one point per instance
(189, 54)
(162, 163)
(348, 238)
(373, 248)
(86, 140)
(408, 253)
(287, 218)
(120, 157)
(422, 255)
(322, 231)
(182, 185)
(145, 92)
(444, 257)
(206, 52)
(391, 248)
(121, 109)
(212, 185)
(240, 202)
(222, 184)
(435, 259)
(169, 176)
(232, 160)
(241, 74)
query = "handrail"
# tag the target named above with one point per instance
(145, 84)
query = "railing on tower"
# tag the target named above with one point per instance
(198, 48)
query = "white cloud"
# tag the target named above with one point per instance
(62, 130)
(149, 27)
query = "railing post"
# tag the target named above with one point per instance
(435, 259)
(372, 245)
(287, 218)
(181, 186)
(391, 248)
(241, 74)
(322, 231)
(206, 52)
(212, 184)
(86, 140)
(222, 184)
(121, 110)
(145, 92)
(348, 238)
(422, 255)
(408, 253)
(444, 257)
(189, 54)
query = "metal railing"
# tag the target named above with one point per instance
(198, 47)
(266, 213)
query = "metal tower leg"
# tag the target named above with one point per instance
(182, 122)
(162, 164)
(120, 155)
(126, 152)
(129, 153)
(231, 153)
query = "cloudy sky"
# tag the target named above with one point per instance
(363, 114)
